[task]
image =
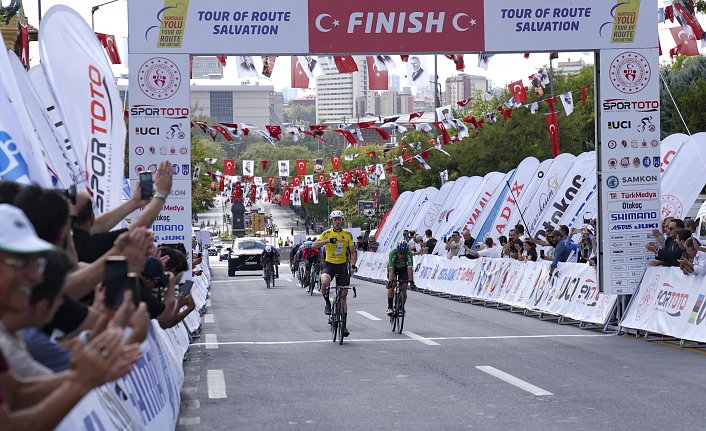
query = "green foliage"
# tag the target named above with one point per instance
(686, 80)
(202, 194)
(300, 114)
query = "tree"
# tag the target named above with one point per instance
(202, 194)
(685, 79)
(300, 114)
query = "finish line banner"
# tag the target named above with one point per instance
(384, 26)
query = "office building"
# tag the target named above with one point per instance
(206, 67)
(343, 96)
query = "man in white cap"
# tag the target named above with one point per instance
(42, 402)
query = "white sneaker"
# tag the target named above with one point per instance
(390, 312)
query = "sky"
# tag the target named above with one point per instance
(503, 69)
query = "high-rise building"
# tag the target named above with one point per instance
(206, 67)
(343, 96)
(464, 86)
(393, 82)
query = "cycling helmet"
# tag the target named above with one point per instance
(336, 214)
(402, 246)
(268, 249)
(309, 244)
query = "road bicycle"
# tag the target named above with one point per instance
(301, 273)
(314, 279)
(398, 311)
(337, 319)
(269, 275)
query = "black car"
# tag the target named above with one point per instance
(245, 254)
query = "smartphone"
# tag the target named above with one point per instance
(146, 186)
(541, 254)
(132, 282)
(114, 279)
(186, 287)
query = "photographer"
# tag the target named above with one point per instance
(453, 244)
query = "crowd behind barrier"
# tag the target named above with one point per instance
(572, 292)
(147, 398)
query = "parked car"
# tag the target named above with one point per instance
(212, 251)
(244, 254)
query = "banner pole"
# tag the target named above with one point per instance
(522, 217)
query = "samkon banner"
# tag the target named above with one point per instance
(366, 26)
(530, 25)
(218, 27)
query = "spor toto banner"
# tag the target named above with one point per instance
(81, 79)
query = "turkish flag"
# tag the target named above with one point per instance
(108, 42)
(299, 77)
(286, 193)
(301, 167)
(264, 164)
(22, 47)
(348, 135)
(275, 131)
(296, 182)
(328, 189)
(237, 195)
(347, 176)
(345, 63)
(223, 131)
(464, 102)
(318, 127)
(222, 60)
(393, 187)
(365, 124)
(222, 184)
(271, 181)
(553, 128)
(686, 44)
(444, 133)
(321, 178)
(377, 79)
(414, 115)
(382, 132)
(551, 101)
(229, 167)
(336, 162)
(519, 91)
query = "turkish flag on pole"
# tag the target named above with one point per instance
(229, 167)
(553, 128)
(108, 42)
(301, 167)
(377, 79)
(336, 163)
(345, 63)
(685, 42)
(299, 77)
(393, 187)
(519, 91)
(23, 45)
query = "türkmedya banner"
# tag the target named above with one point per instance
(80, 78)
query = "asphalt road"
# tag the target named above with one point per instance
(265, 360)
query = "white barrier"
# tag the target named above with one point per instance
(572, 292)
(149, 397)
(670, 303)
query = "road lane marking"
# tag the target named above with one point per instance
(208, 318)
(211, 341)
(367, 315)
(374, 340)
(190, 421)
(419, 338)
(208, 303)
(216, 384)
(514, 381)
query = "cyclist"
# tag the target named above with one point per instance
(311, 256)
(399, 263)
(336, 242)
(292, 255)
(270, 255)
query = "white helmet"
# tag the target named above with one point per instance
(268, 249)
(336, 214)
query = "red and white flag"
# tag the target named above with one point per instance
(686, 43)
(336, 163)
(229, 167)
(275, 131)
(111, 48)
(377, 79)
(393, 187)
(345, 63)
(299, 77)
(519, 91)
(553, 128)
(301, 167)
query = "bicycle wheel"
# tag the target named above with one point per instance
(272, 278)
(267, 279)
(334, 320)
(400, 311)
(341, 322)
(393, 317)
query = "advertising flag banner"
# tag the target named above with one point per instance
(680, 187)
(211, 27)
(507, 203)
(86, 93)
(481, 228)
(396, 27)
(526, 196)
(629, 165)
(668, 148)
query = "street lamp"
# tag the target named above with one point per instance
(94, 9)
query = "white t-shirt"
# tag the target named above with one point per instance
(453, 249)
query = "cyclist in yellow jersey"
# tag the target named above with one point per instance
(337, 243)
